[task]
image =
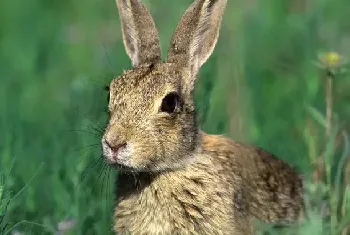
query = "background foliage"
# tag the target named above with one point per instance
(258, 87)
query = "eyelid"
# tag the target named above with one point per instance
(170, 93)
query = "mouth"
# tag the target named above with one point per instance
(118, 156)
(117, 163)
(112, 158)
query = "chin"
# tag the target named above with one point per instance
(122, 168)
(151, 168)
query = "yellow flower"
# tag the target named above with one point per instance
(331, 60)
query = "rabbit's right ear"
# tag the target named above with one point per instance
(196, 35)
(140, 35)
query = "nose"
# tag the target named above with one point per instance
(115, 147)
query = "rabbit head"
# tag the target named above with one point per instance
(152, 124)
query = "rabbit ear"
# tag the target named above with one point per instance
(140, 35)
(196, 35)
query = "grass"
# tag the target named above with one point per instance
(3, 207)
(261, 86)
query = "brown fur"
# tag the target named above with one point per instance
(218, 194)
(175, 179)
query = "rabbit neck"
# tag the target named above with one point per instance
(193, 198)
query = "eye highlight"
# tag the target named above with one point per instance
(170, 103)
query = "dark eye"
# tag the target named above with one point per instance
(170, 102)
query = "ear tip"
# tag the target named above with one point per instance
(140, 35)
(197, 34)
(221, 3)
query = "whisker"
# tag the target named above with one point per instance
(94, 129)
(99, 177)
(91, 166)
(84, 131)
(103, 179)
(82, 178)
(97, 125)
(88, 146)
(108, 188)
(82, 152)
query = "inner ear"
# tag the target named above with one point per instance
(170, 103)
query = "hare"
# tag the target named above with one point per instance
(174, 178)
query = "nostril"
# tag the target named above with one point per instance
(115, 148)
(118, 146)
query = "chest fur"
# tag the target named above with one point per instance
(181, 204)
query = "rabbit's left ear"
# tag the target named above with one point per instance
(196, 35)
(140, 35)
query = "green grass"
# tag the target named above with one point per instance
(3, 205)
(257, 87)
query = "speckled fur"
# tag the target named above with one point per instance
(178, 179)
